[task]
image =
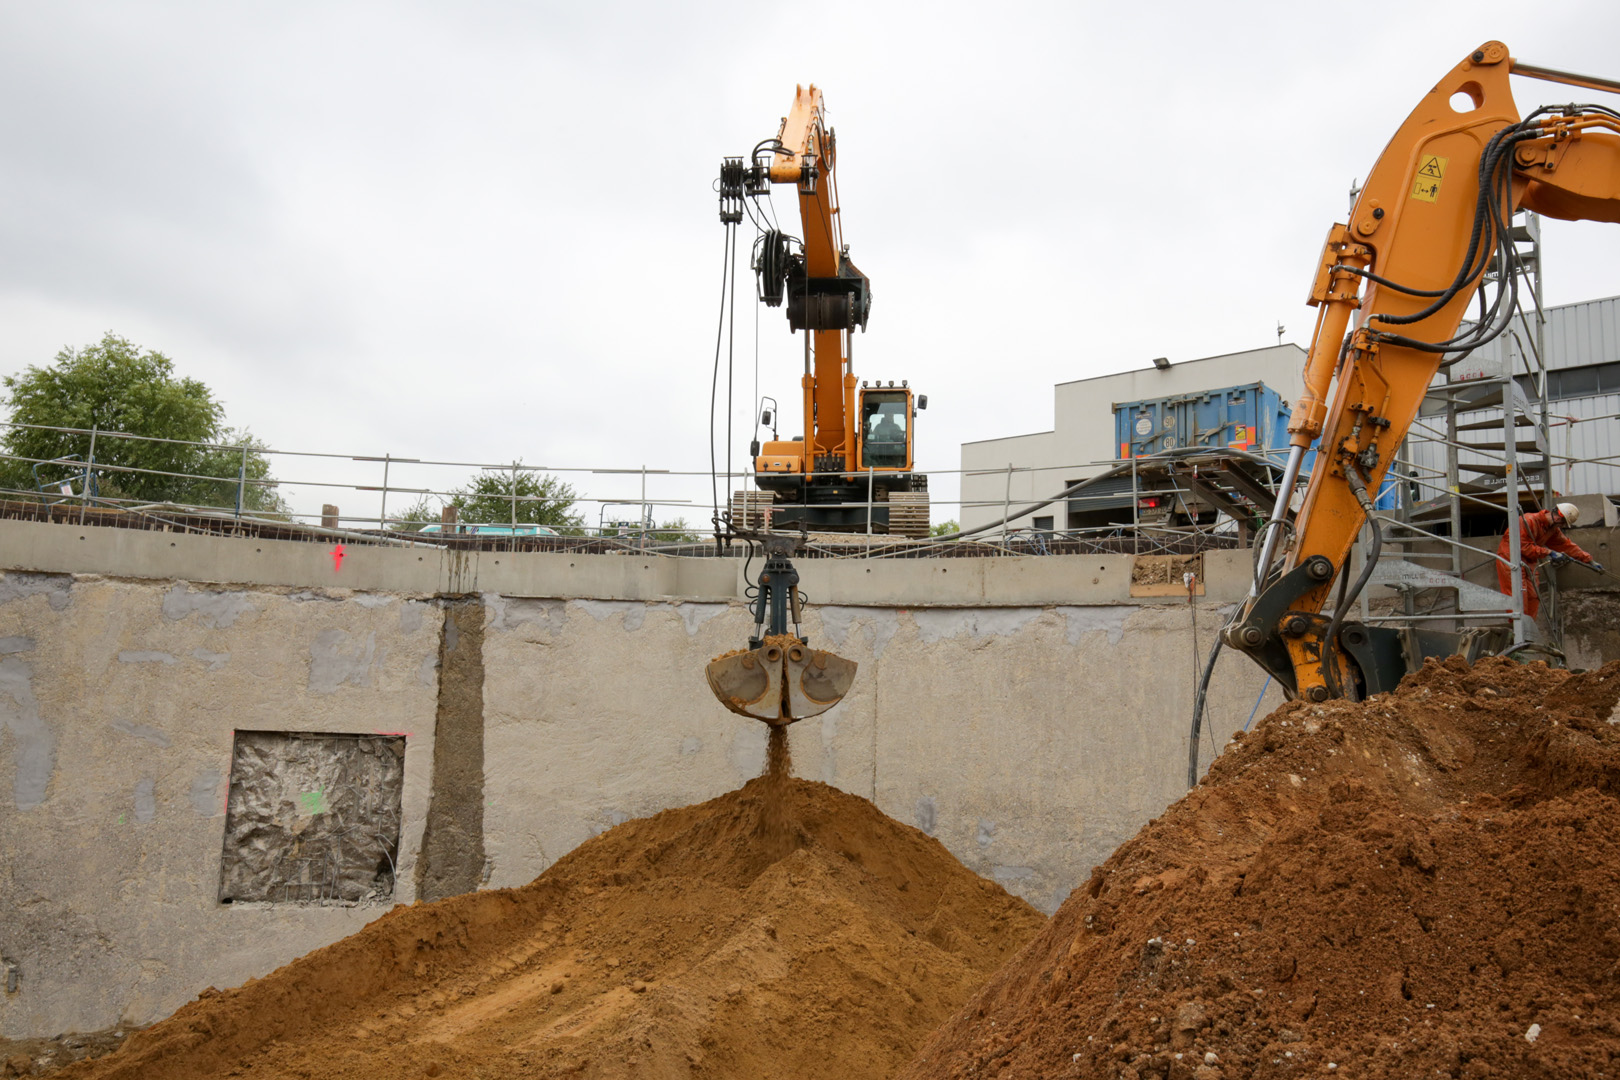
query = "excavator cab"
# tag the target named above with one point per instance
(885, 429)
(779, 678)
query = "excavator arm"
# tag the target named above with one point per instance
(826, 296)
(1391, 290)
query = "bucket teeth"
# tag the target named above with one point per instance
(780, 685)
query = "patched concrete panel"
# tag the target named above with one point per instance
(338, 658)
(141, 731)
(18, 585)
(936, 624)
(33, 749)
(205, 793)
(215, 608)
(214, 660)
(1087, 620)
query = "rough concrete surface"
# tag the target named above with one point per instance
(453, 838)
(311, 817)
(1591, 626)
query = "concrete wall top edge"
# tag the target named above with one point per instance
(421, 572)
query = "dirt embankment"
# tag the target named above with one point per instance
(1422, 885)
(783, 930)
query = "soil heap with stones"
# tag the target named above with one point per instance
(783, 930)
(1425, 884)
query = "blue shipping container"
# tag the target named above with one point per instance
(1250, 417)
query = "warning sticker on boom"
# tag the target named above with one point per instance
(1431, 171)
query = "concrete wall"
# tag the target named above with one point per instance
(119, 700)
(1083, 428)
(1028, 712)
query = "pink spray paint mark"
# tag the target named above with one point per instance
(337, 558)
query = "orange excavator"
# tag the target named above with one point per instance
(853, 470)
(1430, 226)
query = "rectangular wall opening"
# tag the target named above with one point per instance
(312, 817)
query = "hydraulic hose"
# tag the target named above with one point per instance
(1198, 713)
(1358, 487)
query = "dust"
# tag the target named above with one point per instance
(1423, 884)
(783, 930)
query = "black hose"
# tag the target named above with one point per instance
(1330, 669)
(1198, 713)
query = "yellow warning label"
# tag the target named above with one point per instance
(1431, 171)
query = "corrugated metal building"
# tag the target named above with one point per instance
(1582, 349)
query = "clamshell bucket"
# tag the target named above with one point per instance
(781, 683)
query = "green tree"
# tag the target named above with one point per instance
(228, 462)
(540, 500)
(944, 528)
(114, 388)
(676, 532)
(423, 511)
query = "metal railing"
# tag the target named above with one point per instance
(83, 485)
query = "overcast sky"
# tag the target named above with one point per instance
(488, 231)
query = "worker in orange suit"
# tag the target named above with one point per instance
(1541, 536)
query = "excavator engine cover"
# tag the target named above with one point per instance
(780, 684)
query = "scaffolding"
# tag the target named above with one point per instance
(1500, 472)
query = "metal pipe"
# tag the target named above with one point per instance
(1510, 488)
(89, 475)
(1006, 503)
(382, 512)
(241, 481)
(870, 478)
(1569, 78)
(1279, 514)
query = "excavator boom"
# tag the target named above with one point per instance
(1392, 288)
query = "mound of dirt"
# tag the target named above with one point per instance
(783, 930)
(1421, 885)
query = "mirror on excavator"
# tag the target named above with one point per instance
(779, 678)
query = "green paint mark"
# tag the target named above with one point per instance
(312, 802)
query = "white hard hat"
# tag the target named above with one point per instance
(1571, 512)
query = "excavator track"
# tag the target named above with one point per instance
(908, 514)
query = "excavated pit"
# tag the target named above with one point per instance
(1422, 885)
(1425, 884)
(783, 930)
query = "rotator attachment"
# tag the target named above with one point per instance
(779, 678)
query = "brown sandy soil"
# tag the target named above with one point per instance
(1404, 887)
(821, 939)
